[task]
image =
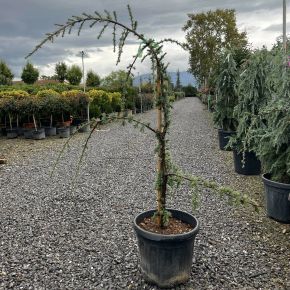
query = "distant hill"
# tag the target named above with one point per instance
(186, 78)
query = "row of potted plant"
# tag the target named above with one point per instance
(51, 109)
(252, 111)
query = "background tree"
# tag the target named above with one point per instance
(93, 79)
(116, 80)
(61, 71)
(6, 75)
(29, 74)
(74, 75)
(178, 85)
(207, 35)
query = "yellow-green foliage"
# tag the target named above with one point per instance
(13, 101)
(171, 99)
(13, 93)
(116, 101)
(47, 93)
(75, 100)
(101, 102)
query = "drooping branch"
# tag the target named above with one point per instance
(234, 195)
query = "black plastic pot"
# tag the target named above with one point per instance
(73, 129)
(166, 260)
(28, 133)
(63, 132)
(39, 134)
(251, 165)
(84, 128)
(50, 131)
(12, 133)
(277, 199)
(224, 138)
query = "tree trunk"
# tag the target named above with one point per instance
(161, 163)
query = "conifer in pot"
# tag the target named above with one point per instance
(173, 269)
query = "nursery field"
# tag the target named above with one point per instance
(67, 232)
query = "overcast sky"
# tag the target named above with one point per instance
(23, 23)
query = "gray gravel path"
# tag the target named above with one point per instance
(54, 238)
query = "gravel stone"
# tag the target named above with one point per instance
(54, 236)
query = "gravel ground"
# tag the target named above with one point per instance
(53, 237)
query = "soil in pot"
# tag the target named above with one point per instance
(166, 259)
(277, 199)
(248, 164)
(224, 138)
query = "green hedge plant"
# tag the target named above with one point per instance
(226, 93)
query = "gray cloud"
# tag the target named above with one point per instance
(24, 23)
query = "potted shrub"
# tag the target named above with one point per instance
(50, 99)
(226, 99)
(33, 105)
(165, 254)
(273, 141)
(77, 105)
(254, 95)
(12, 106)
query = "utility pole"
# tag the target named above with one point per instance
(83, 65)
(284, 27)
(140, 94)
(84, 84)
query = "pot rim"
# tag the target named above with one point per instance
(266, 179)
(162, 237)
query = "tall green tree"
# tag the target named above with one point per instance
(74, 75)
(29, 74)
(6, 75)
(116, 80)
(93, 79)
(178, 82)
(61, 71)
(207, 35)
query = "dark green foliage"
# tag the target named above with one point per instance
(273, 147)
(226, 92)
(207, 35)
(74, 75)
(178, 85)
(148, 48)
(273, 133)
(117, 80)
(29, 74)
(93, 79)
(254, 94)
(189, 91)
(61, 71)
(6, 75)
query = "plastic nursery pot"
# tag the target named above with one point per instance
(84, 128)
(12, 133)
(39, 134)
(166, 260)
(50, 131)
(28, 133)
(63, 132)
(251, 165)
(224, 138)
(277, 199)
(73, 129)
